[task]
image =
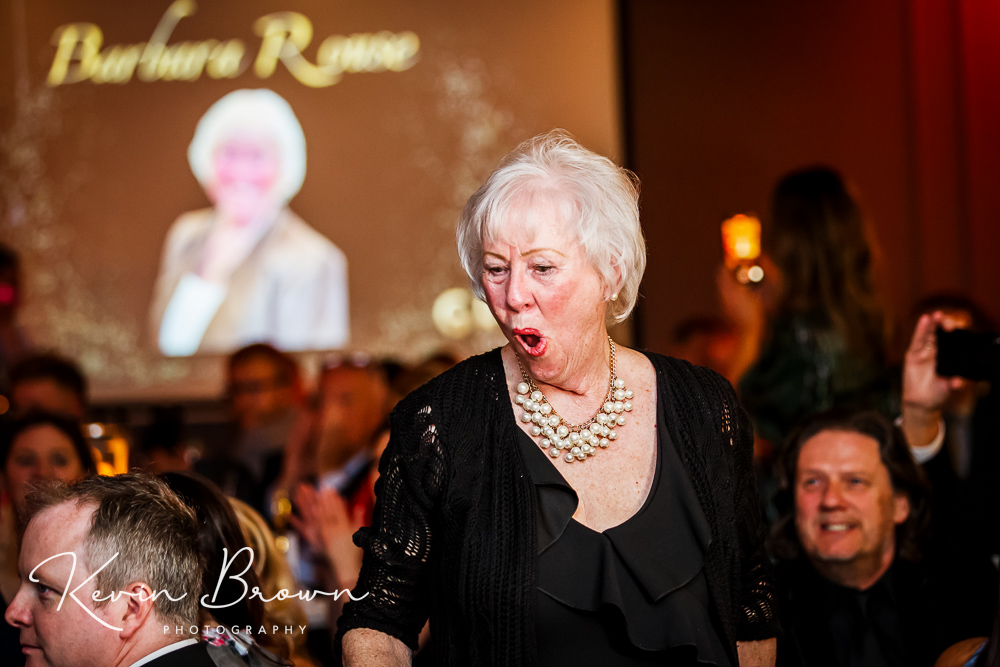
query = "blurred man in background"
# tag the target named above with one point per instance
(953, 425)
(267, 406)
(49, 383)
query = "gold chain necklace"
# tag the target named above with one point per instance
(558, 435)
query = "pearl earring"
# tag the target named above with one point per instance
(614, 297)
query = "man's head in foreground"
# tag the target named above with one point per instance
(118, 539)
(853, 498)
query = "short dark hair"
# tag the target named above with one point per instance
(286, 369)
(905, 475)
(68, 426)
(153, 532)
(59, 370)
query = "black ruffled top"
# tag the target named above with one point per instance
(635, 594)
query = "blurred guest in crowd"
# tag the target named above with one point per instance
(225, 552)
(852, 591)
(328, 522)
(352, 404)
(51, 383)
(42, 446)
(266, 397)
(325, 518)
(161, 447)
(275, 574)
(152, 537)
(813, 334)
(33, 448)
(13, 341)
(952, 424)
(705, 341)
(964, 408)
(248, 269)
(266, 401)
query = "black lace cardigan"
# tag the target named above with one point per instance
(453, 534)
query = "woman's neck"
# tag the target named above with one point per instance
(582, 386)
(587, 372)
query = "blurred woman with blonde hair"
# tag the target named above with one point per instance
(274, 574)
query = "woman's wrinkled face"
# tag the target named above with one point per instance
(40, 453)
(247, 167)
(542, 289)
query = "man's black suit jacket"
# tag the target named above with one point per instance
(195, 655)
(930, 619)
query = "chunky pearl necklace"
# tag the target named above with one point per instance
(578, 441)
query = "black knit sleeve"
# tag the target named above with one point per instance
(757, 609)
(397, 547)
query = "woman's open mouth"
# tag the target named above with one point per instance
(531, 340)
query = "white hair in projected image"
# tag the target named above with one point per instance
(258, 111)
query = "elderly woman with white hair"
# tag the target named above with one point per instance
(249, 270)
(563, 500)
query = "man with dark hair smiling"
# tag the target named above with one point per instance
(852, 592)
(110, 576)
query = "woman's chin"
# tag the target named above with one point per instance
(243, 209)
(548, 368)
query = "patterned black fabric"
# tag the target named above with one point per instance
(453, 533)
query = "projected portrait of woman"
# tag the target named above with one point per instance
(248, 269)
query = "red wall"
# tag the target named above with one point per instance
(902, 96)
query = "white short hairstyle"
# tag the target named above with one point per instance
(259, 111)
(603, 199)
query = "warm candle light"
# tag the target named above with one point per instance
(741, 239)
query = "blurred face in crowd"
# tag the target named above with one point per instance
(66, 636)
(258, 391)
(40, 453)
(247, 167)
(352, 405)
(46, 395)
(846, 510)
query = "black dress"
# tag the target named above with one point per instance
(453, 532)
(635, 594)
